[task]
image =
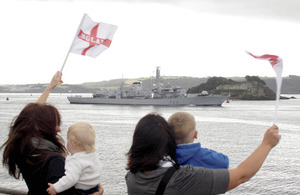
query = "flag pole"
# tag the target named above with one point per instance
(78, 29)
(278, 89)
(276, 110)
(65, 62)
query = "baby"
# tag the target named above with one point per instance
(82, 166)
(188, 152)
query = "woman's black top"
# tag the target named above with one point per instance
(39, 175)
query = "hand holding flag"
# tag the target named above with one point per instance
(276, 63)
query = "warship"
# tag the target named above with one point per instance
(158, 95)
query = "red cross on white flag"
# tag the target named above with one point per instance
(92, 38)
(276, 63)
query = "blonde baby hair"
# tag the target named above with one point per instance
(83, 134)
(184, 127)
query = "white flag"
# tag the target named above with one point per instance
(276, 63)
(92, 38)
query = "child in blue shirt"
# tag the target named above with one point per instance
(190, 153)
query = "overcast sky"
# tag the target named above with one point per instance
(196, 38)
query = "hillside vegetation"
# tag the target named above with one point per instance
(290, 85)
(253, 88)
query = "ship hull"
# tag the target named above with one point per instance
(210, 100)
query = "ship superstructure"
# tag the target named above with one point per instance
(157, 96)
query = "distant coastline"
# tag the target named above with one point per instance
(290, 84)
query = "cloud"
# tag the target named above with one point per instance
(287, 9)
(269, 9)
(185, 37)
(272, 9)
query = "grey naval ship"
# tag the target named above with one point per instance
(157, 96)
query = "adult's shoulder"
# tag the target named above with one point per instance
(195, 180)
(199, 172)
(55, 157)
(191, 172)
(55, 160)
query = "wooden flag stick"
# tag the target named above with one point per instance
(65, 61)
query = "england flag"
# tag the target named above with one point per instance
(276, 63)
(92, 38)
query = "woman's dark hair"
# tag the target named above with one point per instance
(153, 139)
(35, 120)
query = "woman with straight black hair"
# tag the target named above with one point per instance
(153, 142)
(152, 156)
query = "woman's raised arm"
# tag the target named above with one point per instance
(252, 164)
(56, 79)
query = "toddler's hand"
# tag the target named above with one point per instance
(51, 190)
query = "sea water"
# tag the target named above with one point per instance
(234, 129)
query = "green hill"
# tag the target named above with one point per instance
(253, 88)
(290, 85)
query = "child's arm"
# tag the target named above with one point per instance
(71, 177)
(51, 190)
(56, 79)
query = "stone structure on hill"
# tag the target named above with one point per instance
(252, 89)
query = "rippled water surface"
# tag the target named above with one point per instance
(235, 129)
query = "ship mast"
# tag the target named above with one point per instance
(122, 87)
(158, 78)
